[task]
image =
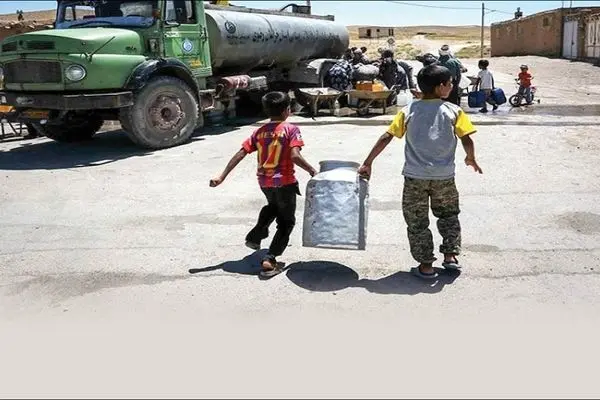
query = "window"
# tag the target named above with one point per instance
(181, 11)
(390, 32)
(546, 21)
(368, 33)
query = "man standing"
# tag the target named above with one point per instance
(456, 68)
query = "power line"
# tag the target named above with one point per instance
(489, 10)
(430, 6)
(499, 11)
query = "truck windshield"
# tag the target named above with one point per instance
(80, 13)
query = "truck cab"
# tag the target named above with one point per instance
(145, 63)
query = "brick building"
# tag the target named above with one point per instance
(555, 33)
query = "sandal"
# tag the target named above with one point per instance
(452, 265)
(416, 271)
(270, 267)
(253, 246)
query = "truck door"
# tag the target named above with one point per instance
(185, 36)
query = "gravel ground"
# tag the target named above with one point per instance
(559, 82)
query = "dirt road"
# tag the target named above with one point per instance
(124, 274)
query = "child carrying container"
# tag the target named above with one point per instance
(485, 82)
(278, 144)
(430, 127)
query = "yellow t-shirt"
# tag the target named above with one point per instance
(431, 128)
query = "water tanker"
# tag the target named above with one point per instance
(240, 40)
(158, 66)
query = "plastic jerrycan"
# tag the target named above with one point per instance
(336, 207)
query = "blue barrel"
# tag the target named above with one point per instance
(476, 99)
(498, 96)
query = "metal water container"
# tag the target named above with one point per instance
(336, 208)
(251, 40)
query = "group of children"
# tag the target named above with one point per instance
(485, 82)
(431, 128)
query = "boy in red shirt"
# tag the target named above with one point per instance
(525, 82)
(278, 144)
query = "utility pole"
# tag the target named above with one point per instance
(482, 22)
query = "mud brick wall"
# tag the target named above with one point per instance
(538, 34)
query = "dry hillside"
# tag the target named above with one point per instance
(415, 40)
(43, 15)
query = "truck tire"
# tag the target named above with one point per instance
(75, 128)
(164, 114)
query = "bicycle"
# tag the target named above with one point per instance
(516, 100)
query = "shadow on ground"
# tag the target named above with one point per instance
(325, 276)
(249, 265)
(105, 148)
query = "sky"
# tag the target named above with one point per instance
(384, 13)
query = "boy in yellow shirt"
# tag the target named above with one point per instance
(431, 127)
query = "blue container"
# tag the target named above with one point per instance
(476, 99)
(498, 96)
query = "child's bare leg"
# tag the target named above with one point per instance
(415, 207)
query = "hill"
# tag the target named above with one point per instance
(42, 15)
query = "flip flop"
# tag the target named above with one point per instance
(452, 265)
(416, 271)
(276, 269)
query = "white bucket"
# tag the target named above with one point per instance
(404, 98)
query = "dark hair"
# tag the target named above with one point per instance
(483, 63)
(427, 59)
(387, 54)
(363, 49)
(431, 77)
(275, 103)
(353, 48)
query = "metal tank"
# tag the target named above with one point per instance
(248, 40)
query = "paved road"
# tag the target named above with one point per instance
(98, 240)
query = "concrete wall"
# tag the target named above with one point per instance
(538, 34)
(374, 32)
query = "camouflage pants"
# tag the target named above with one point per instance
(444, 205)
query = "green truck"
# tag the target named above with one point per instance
(159, 66)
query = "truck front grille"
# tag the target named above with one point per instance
(12, 46)
(29, 71)
(40, 45)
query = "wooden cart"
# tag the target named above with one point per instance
(8, 120)
(362, 100)
(315, 96)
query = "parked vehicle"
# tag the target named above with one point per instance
(158, 66)
(517, 99)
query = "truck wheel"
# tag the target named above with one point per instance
(164, 114)
(74, 128)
